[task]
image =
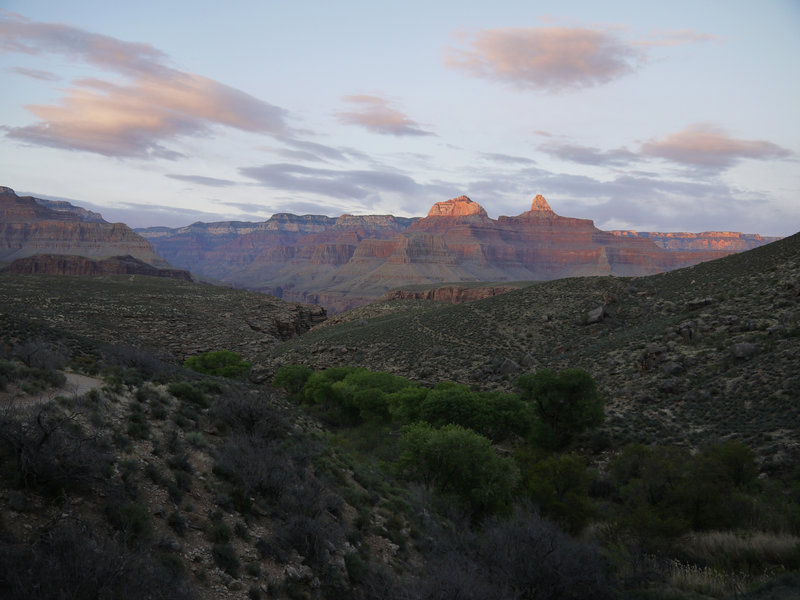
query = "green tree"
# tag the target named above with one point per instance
(493, 414)
(460, 465)
(565, 403)
(559, 486)
(292, 379)
(221, 363)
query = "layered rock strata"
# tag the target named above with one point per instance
(29, 226)
(348, 261)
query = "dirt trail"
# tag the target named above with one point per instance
(75, 385)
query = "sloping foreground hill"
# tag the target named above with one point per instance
(710, 350)
(169, 316)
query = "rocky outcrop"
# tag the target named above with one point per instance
(29, 226)
(722, 242)
(450, 294)
(64, 264)
(457, 207)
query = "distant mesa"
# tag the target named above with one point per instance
(65, 264)
(351, 260)
(32, 226)
(457, 207)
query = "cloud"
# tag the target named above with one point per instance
(35, 74)
(199, 179)
(375, 114)
(354, 184)
(678, 37)
(154, 103)
(551, 59)
(587, 155)
(508, 159)
(705, 146)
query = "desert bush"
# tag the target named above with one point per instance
(666, 491)
(559, 486)
(138, 425)
(566, 403)
(255, 466)
(220, 363)
(310, 536)
(130, 518)
(49, 452)
(185, 390)
(136, 365)
(41, 354)
(226, 559)
(525, 557)
(250, 413)
(74, 561)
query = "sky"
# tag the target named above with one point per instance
(654, 116)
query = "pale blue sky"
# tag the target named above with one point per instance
(643, 115)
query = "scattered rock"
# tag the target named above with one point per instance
(595, 315)
(699, 303)
(744, 349)
(672, 368)
(650, 357)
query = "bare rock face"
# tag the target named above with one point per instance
(349, 261)
(450, 294)
(64, 264)
(540, 204)
(29, 226)
(722, 242)
(457, 207)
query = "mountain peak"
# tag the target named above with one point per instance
(457, 207)
(540, 204)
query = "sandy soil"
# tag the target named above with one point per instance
(76, 384)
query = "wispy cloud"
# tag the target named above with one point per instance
(508, 159)
(355, 184)
(201, 180)
(587, 155)
(550, 59)
(154, 104)
(678, 37)
(375, 114)
(35, 74)
(705, 146)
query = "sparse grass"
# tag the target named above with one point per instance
(746, 551)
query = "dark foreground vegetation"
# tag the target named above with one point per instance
(172, 483)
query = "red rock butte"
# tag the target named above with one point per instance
(457, 207)
(540, 204)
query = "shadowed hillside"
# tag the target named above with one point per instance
(707, 350)
(132, 476)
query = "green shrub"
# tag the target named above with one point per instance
(460, 465)
(184, 390)
(566, 403)
(221, 363)
(559, 486)
(292, 378)
(226, 559)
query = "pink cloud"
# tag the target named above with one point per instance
(678, 37)
(153, 105)
(375, 114)
(705, 146)
(552, 59)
